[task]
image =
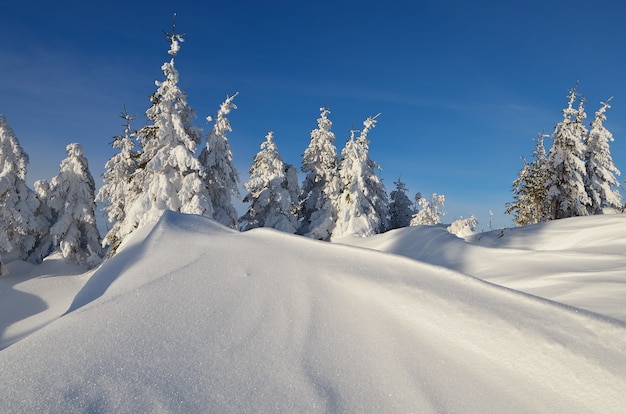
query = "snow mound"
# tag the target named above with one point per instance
(199, 318)
(603, 234)
(578, 261)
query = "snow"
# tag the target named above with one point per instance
(579, 262)
(191, 316)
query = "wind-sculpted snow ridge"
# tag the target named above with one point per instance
(578, 261)
(205, 319)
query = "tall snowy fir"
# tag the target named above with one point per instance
(321, 187)
(18, 224)
(218, 172)
(400, 206)
(362, 207)
(116, 192)
(270, 198)
(601, 183)
(529, 189)
(565, 166)
(168, 175)
(429, 212)
(72, 199)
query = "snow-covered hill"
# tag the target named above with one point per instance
(579, 261)
(193, 317)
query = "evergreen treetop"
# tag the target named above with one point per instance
(601, 183)
(565, 166)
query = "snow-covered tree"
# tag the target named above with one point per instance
(218, 172)
(72, 199)
(430, 212)
(529, 188)
(463, 227)
(168, 175)
(601, 183)
(270, 195)
(565, 166)
(400, 206)
(116, 191)
(321, 188)
(362, 207)
(18, 224)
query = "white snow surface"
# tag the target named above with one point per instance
(191, 316)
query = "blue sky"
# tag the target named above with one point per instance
(463, 87)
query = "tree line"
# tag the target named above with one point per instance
(164, 166)
(576, 177)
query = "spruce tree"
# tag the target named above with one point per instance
(400, 209)
(601, 183)
(362, 207)
(168, 175)
(72, 199)
(18, 223)
(218, 172)
(117, 190)
(529, 189)
(565, 166)
(269, 195)
(320, 188)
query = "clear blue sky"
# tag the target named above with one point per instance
(463, 87)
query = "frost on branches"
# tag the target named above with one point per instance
(601, 183)
(430, 212)
(320, 188)
(18, 224)
(565, 166)
(117, 190)
(72, 200)
(168, 175)
(270, 195)
(362, 207)
(218, 172)
(400, 207)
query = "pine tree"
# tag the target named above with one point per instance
(529, 201)
(601, 183)
(362, 207)
(430, 212)
(565, 167)
(72, 200)
(168, 173)
(116, 191)
(270, 198)
(320, 188)
(400, 210)
(218, 172)
(18, 223)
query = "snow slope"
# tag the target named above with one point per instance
(579, 261)
(33, 296)
(200, 318)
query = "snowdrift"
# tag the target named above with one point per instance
(579, 261)
(199, 318)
